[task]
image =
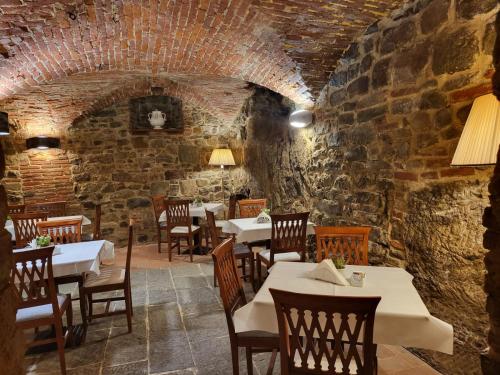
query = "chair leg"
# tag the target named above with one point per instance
(60, 346)
(91, 306)
(234, 357)
(131, 304)
(259, 271)
(83, 308)
(249, 361)
(252, 272)
(272, 362)
(159, 240)
(244, 268)
(178, 247)
(128, 308)
(190, 245)
(169, 249)
(69, 322)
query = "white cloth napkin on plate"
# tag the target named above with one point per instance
(326, 271)
(263, 218)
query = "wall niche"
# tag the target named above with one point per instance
(158, 112)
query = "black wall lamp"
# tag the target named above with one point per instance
(4, 123)
(42, 142)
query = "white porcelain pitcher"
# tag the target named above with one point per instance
(157, 119)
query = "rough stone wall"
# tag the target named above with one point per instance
(101, 161)
(379, 154)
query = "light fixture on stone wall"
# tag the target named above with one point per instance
(301, 118)
(4, 123)
(42, 142)
(222, 157)
(480, 139)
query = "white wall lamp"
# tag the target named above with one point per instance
(301, 118)
(478, 144)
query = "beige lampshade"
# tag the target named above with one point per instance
(478, 144)
(221, 156)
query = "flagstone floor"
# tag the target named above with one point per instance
(179, 327)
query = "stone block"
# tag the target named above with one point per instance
(469, 8)
(454, 51)
(434, 15)
(380, 74)
(397, 37)
(358, 87)
(372, 113)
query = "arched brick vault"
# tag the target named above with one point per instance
(289, 46)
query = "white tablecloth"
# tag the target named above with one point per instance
(81, 257)
(401, 317)
(248, 230)
(9, 225)
(198, 211)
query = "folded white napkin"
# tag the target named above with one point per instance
(263, 218)
(57, 250)
(326, 271)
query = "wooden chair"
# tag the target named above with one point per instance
(159, 207)
(288, 241)
(38, 304)
(233, 297)
(251, 207)
(111, 278)
(16, 209)
(351, 243)
(53, 209)
(61, 231)
(241, 251)
(219, 224)
(25, 227)
(179, 226)
(326, 334)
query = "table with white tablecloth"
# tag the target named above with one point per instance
(9, 225)
(248, 230)
(198, 211)
(401, 317)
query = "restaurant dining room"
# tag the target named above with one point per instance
(193, 187)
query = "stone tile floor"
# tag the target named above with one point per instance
(179, 327)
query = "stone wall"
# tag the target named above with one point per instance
(100, 160)
(379, 154)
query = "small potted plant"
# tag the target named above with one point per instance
(198, 202)
(42, 241)
(264, 216)
(339, 262)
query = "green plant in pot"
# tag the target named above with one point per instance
(42, 241)
(198, 202)
(266, 211)
(339, 262)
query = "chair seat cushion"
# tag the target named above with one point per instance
(281, 257)
(38, 312)
(107, 276)
(240, 249)
(260, 334)
(184, 230)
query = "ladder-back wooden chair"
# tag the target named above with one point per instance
(288, 241)
(25, 226)
(110, 278)
(53, 209)
(159, 208)
(241, 251)
(251, 207)
(61, 231)
(350, 243)
(16, 209)
(233, 297)
(38, 303)
(326, 334)
(180, 227)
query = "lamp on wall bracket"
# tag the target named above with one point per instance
(480, 139)
(301, 118)
(42, 142)
(4, 124)
(222, 157)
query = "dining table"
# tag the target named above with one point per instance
(249, 230)
(401, 317)
(9, 225)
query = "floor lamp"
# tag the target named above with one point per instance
(222, 157)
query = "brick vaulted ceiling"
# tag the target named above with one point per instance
(63, 58)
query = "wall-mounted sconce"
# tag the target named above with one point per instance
(301, 118)
(4, 123)
(42, 142)
(478, 144)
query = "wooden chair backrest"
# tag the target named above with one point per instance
(53, 209)
(158, 206)
(251, 207)
(177, 213)
(25, 226)
(350, 243)
(231, 213)
(231, 287)
(61, 231)
(16, 209)
(323, 334)
(97, 223)
(289, 234)
(212, 228)
(32, 278)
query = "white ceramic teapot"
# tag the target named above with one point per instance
(157, 119)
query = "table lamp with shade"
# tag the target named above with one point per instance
(480, 139)
(222, 157)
